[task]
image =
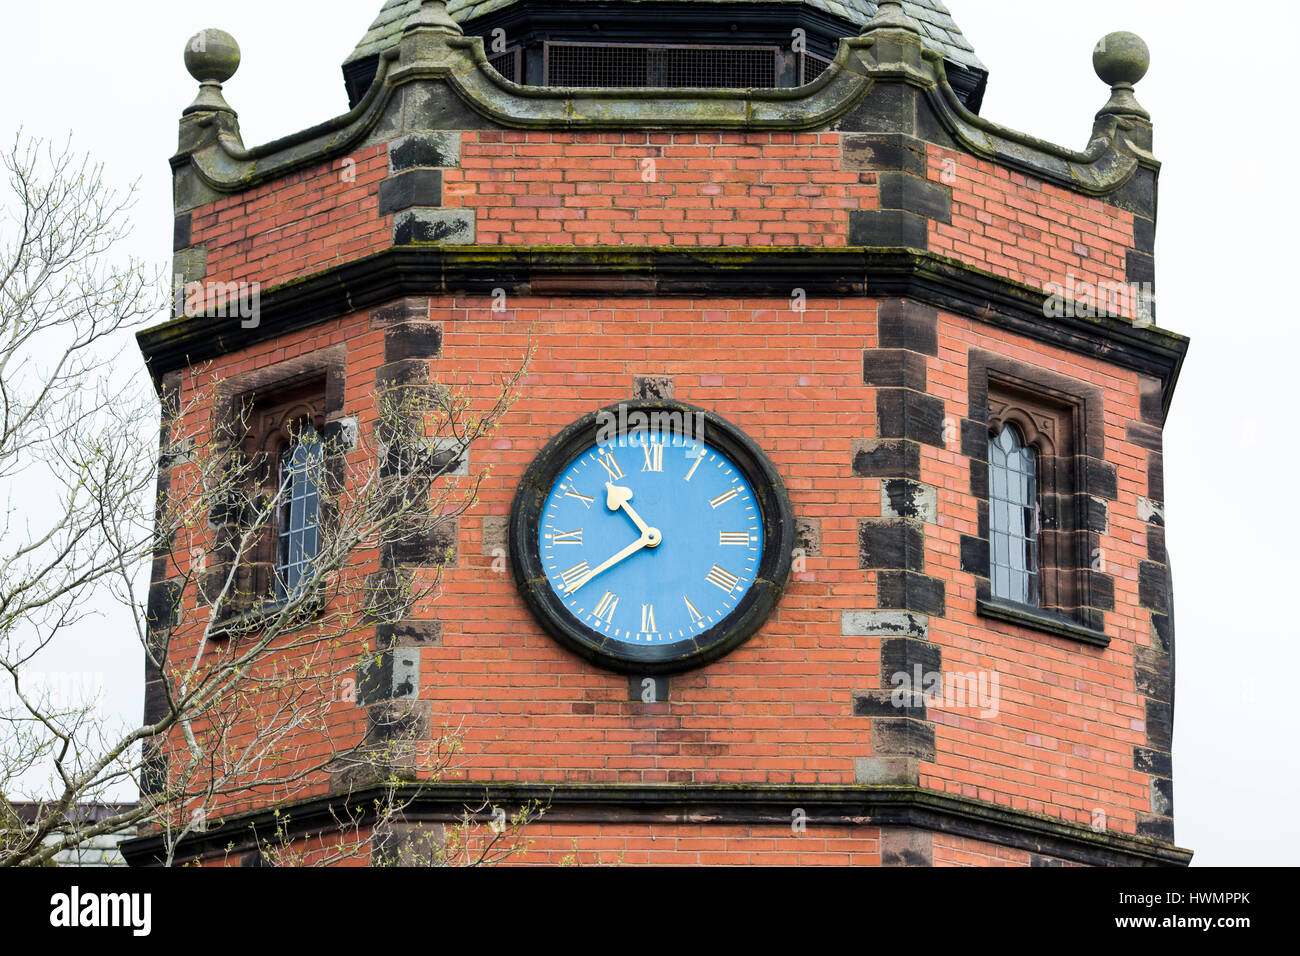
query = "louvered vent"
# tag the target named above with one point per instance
(670, 67)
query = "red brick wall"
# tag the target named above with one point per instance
(952, 850)
(687, 845)
(779, 710)
(671, 189)
(1025, 229)
(704, 189)
(299, 225)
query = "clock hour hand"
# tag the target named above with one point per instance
(617, 497)
(631, 549)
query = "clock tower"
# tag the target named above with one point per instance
(827, 525)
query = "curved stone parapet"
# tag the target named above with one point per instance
(457, 67)
(224, 164)
(1109, 162)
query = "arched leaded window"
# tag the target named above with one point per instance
(1013, 517)
(301, 464)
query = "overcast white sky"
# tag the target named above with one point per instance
(1222, 100)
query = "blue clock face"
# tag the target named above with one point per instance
(651, 539)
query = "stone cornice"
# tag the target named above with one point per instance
(618, 271)
(742, 805)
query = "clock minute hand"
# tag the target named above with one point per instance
(631, 549)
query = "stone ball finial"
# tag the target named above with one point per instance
(1121, 59)
(212, 56)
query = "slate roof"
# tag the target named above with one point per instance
(932, 15)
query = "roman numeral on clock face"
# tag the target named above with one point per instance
(723, 498)
(610, 464)
(723, 579)
(733, 539)
(574, 575)
(648, 619)
(696, 616)
(583, 498)
(654, 456)
(568, 537)
(605, 609)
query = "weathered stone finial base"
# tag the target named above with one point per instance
(432, 17)
(212, 57)
(1121, 60)
(890, 15)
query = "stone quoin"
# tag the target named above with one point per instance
(948, 467)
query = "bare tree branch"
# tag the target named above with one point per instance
(253, 687)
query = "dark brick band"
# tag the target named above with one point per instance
(891, 543)
(893, 368)
(887, 459)
(909, 591)
(888, 229)
(418, 187)
(911, 415)
(412, 340)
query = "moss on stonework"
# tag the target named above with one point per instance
(644, 258)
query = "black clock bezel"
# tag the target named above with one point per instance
(728, 634)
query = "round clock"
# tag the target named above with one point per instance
(651, 537)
